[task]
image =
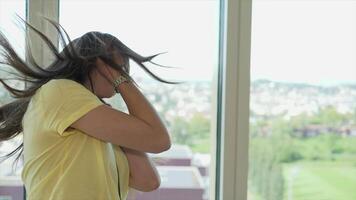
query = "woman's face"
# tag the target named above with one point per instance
(103, 76)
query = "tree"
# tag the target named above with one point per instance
(192, 132)
(179, 131)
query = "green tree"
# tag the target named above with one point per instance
(199, 126)
(179, 131)
(330, 116)
(194, 133)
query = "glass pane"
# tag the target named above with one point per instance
(11, 186)
(303, 94)
(188, 32)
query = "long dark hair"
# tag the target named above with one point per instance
(74, 62)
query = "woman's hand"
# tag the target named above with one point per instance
(112, 73)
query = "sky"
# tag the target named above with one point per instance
(310, 41)
(186, 30)
(300, 41)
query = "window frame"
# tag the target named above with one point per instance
(234, 94)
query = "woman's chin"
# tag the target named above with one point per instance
(112, 94)
(107, 95)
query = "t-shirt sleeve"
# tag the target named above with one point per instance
(124, 169)
(65, 101)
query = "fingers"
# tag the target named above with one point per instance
(105, 76)
(109, 72)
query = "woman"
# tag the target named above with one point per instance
(75, 145)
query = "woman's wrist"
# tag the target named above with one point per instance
(123, 85)
(120, 83)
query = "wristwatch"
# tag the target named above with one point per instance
(118, 81)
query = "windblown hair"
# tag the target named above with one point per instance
(74, 62)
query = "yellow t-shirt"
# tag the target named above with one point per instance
(63, 163)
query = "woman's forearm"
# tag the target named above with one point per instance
(143, 173)
(141, 108)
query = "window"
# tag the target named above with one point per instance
(191, 41)
(209, 39)
(11, 186)
(302, 120)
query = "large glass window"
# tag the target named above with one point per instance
(303, 94)
(11, 186)
(188, 32)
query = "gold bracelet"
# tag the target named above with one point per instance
(118, 81)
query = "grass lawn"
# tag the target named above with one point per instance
(320, 181)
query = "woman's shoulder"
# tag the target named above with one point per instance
(66, 90)
(62, 86)
(56, 83)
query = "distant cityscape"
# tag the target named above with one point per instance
(268, 98)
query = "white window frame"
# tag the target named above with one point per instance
(233, 91)
(36, 9)
(235, 45)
